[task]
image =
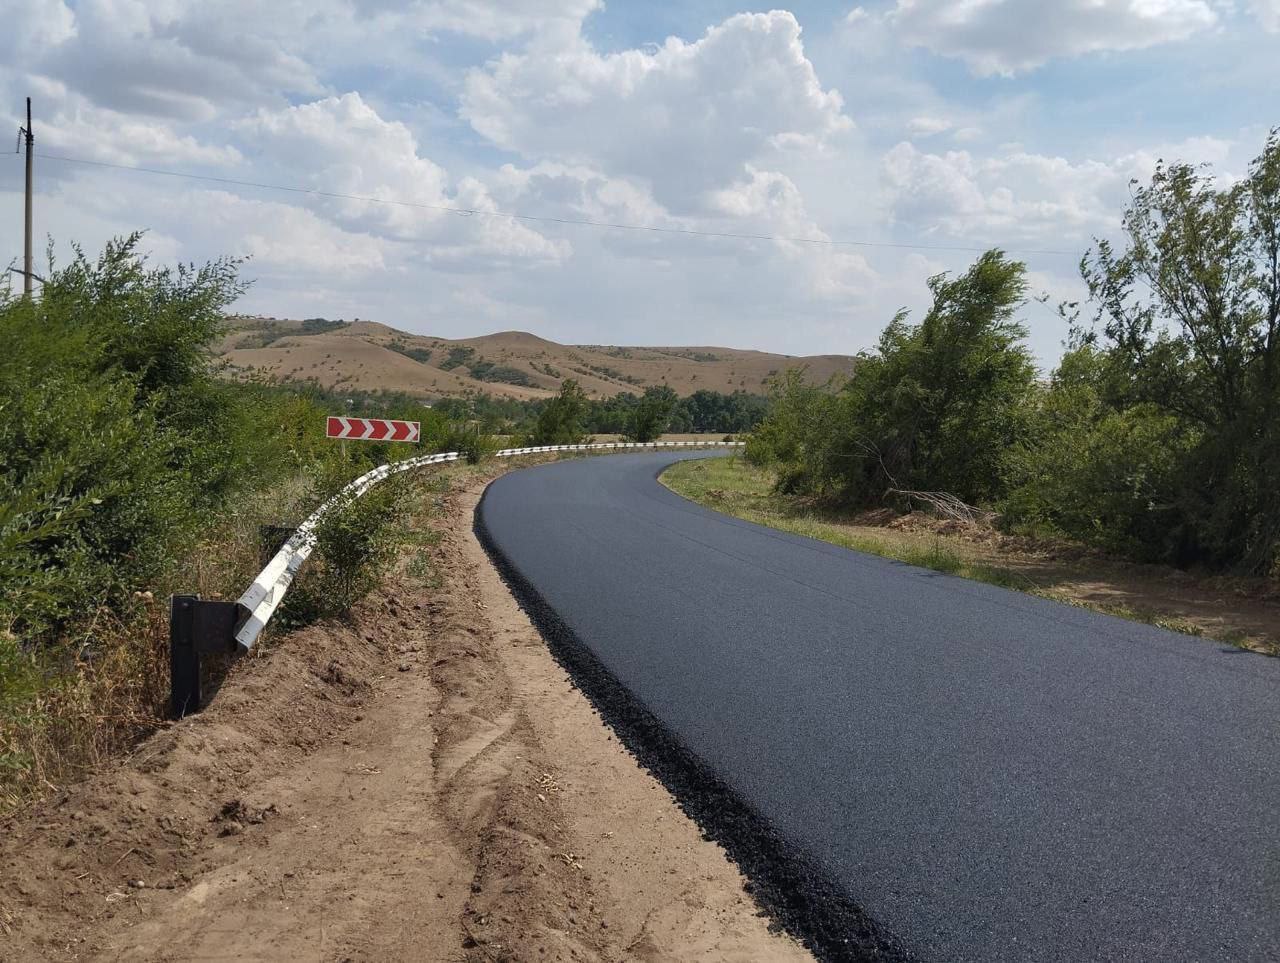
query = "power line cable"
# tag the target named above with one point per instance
(546, 219)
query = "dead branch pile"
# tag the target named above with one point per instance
(947, 506)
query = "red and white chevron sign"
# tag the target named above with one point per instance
(372, 429)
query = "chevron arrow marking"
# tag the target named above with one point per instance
(372, 429)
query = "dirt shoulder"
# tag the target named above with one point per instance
(421, 780)
(1244, 612)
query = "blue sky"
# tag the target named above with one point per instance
(926, 123)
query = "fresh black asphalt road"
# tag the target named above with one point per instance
(990, 775)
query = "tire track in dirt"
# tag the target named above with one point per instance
(527, 894)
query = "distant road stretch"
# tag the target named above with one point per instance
(990, 776)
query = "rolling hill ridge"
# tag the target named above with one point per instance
(368, 356)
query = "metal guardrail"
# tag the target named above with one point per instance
(210, 626)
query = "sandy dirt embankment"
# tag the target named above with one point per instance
(421, 782)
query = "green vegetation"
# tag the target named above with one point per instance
(690, 354)
(470, 441)
(560, 420)
(268, 332)
(939, 406)
(713, 411)
(1158, 436)
(651, 415)
(479, 368)
(129, 470)
(354, 546)
(703, 412)
(420, 355)
(457, 357)
(739, 488)
(603, 370)
(483, 370)
(115, 435)
(505, 416)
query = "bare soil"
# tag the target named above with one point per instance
(421, 780)
(359, 356)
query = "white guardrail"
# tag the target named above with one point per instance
(197, 625)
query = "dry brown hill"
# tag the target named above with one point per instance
(368, 356)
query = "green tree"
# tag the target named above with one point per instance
(115, 435)
(938, 406)
(1104, 475)
(798, 434)
(1187, 315)
(560, 420)
(652, 414)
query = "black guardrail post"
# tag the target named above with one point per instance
(196, 626)
(184, 661)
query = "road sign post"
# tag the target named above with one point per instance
(372, 429)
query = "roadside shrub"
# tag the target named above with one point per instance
(355, 542)
(560, 420)
(938, 406)
(1186, 324)
(1158, 436)
(129, 469)
(114, 436)
(797, 436)
(469, 441)
(651, 415)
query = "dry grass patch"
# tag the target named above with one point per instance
(68, 705)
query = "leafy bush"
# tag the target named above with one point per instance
(458, 356)
(471, 442)
(483, 370)
(129, 469)
(939, 406)
(1105, 476)
(114, 435)
(560, 420)
(796, 435)
(1186, 325)
(420, 355)
(651, 415)
(1157, 437)
(355, 542)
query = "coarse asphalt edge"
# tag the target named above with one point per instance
(800, 896)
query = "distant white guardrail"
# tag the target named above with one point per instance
(199, 626)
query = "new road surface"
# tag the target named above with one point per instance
(986, 775)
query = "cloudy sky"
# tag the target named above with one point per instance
(914, 127)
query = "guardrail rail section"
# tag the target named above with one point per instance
(213, 626)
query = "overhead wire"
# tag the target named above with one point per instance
(549, 219)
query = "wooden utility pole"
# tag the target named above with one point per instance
(27, 266)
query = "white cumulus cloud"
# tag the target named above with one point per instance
(684, 118)
(1014, 36)
(1017, 195)
(1268, 14)
(341, 145)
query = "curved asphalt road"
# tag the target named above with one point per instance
(991, 776)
